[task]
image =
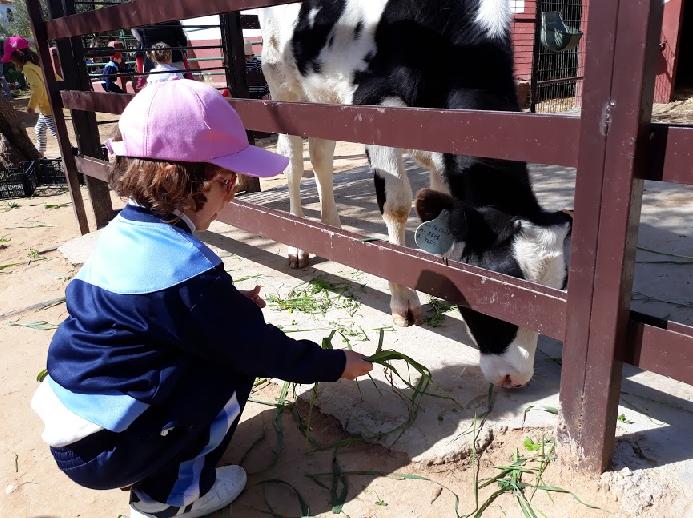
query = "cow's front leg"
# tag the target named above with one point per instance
(322, 158)
(293, 148)
(394, 199)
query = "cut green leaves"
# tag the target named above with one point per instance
(39, 325)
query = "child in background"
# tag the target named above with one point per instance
(164, 70)
(16, 49)
(150, 372)
(257, 85)
(110, 73)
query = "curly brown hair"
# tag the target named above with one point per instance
(165, 187)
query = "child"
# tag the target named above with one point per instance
(16, 49)
(109, 76)
(257, 85)
(149, 373)
(164, 70)
(171, 33)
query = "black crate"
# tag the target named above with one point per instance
(19, 181)
(49, 171)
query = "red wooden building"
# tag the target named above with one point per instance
(553, 75)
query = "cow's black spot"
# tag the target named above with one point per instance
(379, 182)
(358, 30)
(309, 40)
(493, 336)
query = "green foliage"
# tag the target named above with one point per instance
(530, 445)
(20, 23)
(39, 325)
(623, 419)
(436, 314)
(317, 297)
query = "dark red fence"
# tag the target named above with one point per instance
(613, 145)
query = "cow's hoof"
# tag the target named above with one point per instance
(298, 259)
(405, 306)
(409, 317)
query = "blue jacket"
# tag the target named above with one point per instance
(158, 337)
(109, 76)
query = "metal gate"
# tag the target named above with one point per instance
(556, 79)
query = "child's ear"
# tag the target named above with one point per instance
(430, 203)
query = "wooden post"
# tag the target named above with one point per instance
(84, 123)
(617, 106)
(39, 28)
(234, 64)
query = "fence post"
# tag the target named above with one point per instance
(41, 37)
(617, 106)
(234, 64)
(84, 123)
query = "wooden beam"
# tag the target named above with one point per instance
(545, 139)
(146, 12)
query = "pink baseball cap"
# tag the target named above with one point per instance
(189, 121)
(11, 44)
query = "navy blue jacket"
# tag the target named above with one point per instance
(158, 336)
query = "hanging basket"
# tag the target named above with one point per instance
(556, 35)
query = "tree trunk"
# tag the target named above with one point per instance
(15, 145)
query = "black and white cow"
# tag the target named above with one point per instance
(432, 54)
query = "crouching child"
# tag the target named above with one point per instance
(150, 372)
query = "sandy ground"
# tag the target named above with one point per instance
(649, 479)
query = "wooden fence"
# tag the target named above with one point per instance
(613, 145)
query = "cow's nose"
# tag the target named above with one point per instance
(508, 383)
(505, 382)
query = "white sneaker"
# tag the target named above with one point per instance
(229, 484)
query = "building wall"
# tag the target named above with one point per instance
(523, 36)
(669, 51)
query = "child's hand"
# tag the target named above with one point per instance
(356, 365)
(254, 295)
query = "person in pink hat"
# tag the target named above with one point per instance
(16, 49)
(149, 373)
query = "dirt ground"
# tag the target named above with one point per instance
(271, 444)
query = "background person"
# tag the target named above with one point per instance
(16, 49)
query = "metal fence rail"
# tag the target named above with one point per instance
(613, 145)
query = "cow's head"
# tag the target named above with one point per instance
(491, 239)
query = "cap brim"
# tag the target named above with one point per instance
(253, 161)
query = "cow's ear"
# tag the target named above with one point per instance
(430, 203)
